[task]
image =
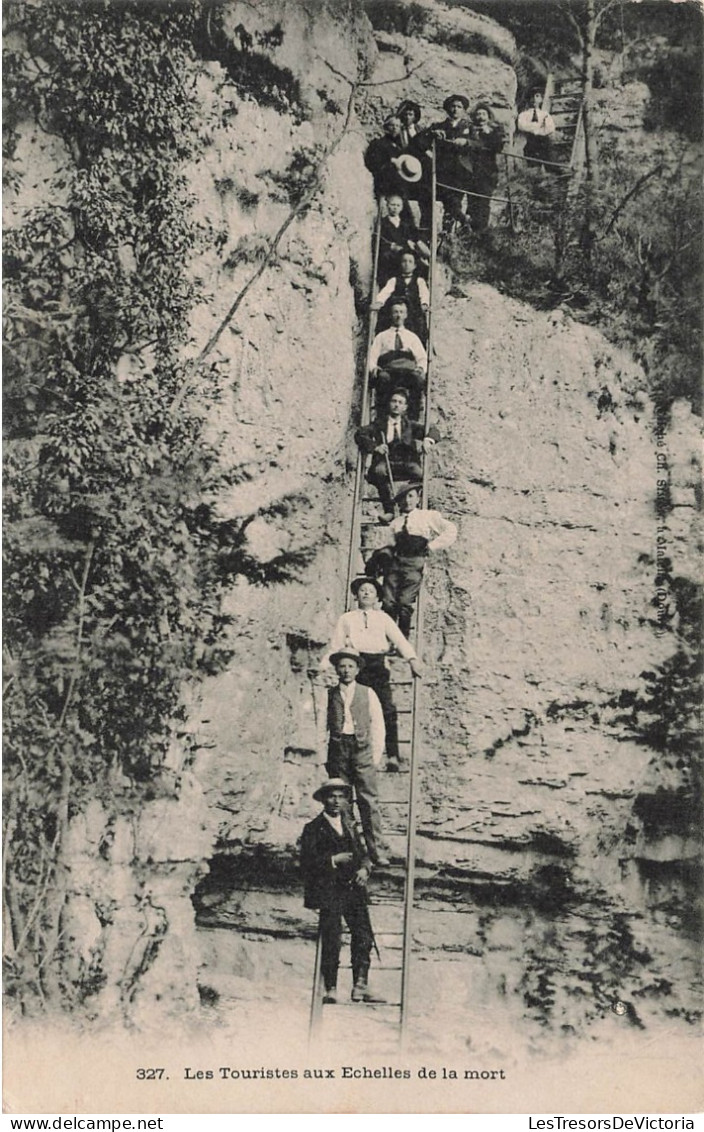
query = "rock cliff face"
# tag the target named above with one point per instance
(537, 866)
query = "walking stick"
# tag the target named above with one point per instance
(392, 486)
(371, 932)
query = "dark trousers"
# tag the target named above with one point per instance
(479, 207)
(540, 149)
(347, 760)
(353, 907)
(402, 581)
(378, 476)
(374, 674)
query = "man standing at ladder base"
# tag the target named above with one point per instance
(335, 871)
(415, 533)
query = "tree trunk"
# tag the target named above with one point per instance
(590, 147)
(591, 155)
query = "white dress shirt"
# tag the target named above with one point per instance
(368, 630)
(335, 822)
(544, 126)
(386, 341)
(431, 525)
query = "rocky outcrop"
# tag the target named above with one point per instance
(540, 627)
(539, 843)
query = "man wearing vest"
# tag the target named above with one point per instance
(356, 737)
(415, 534)
(335, 871)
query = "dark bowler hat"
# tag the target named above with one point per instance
(350, 652)
(332, 784)
(403, 491)
(455, 98)
(408, 105)
(361, 580)
(409, 168)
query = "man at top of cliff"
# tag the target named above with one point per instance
(409, 113)
(413, 143)
(383, 158)
(398, 357)
(451, 139)
(538, 128)
(486, 139)
(414, 534)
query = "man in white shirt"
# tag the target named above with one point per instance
(398, 357)
(538, 128)
(373, 634)
(356, 737)
(411, 286)
(414, 534)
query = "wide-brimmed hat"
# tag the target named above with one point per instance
(349, 652)
(361, 581)
(403, 491)
(332, 784)
(455, 98)
(407, 104)
(409, 168)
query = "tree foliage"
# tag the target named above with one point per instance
(115, 560)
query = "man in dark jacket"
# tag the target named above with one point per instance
(383, 157)
(396, 444)
(335, 870)
(451, 138)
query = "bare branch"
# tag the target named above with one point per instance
(602, 12)
(358, 83)
(570, 17)
(272, 247)
(630, 195)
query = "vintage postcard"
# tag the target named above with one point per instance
(352, 480)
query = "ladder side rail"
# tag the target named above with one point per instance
(355, 529)
(549, 91)
(578, 141)
(408, 897)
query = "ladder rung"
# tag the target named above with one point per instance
(370, 1002)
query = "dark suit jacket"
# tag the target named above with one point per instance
(323, 884)
(407, 448)
(377, 159)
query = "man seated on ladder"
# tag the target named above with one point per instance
(414, 534)
(355, 744)
(374, 634)
(398, 357)
(336, 869)
(396, 444)
(410, 286)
